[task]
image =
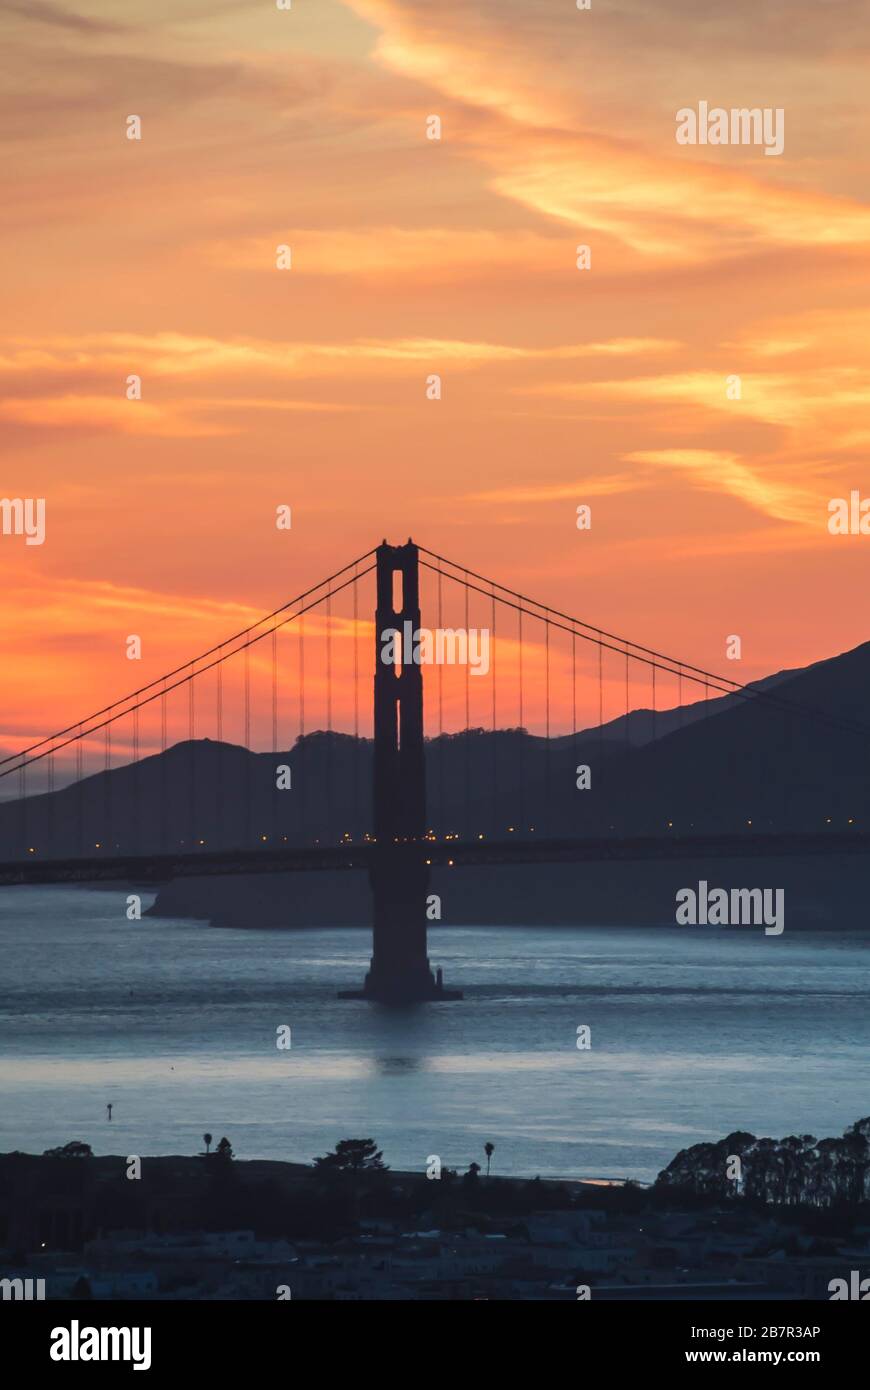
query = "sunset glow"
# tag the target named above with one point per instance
(307, 386)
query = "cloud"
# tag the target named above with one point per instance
(665, 207)
(385, 252)
(183, 355)
(42, 12)
(97, 414)
(78, 384)
(796, 400)
(717, 471)
(605, 486)
(559, 142)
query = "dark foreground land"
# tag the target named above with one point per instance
(795, 1224)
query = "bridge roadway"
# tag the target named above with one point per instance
(160, 868)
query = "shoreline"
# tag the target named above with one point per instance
(298, 1171)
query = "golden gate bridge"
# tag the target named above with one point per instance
(82, 826)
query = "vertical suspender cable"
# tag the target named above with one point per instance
(163, 796)
(191, 728)
(137, 783)
(357, 818)
(574, 687)
(522, 736)
(81, 789)
(219, 734)
(600, 695)
(627, 737)
(22, 792)
(273, 774)
(329, 818)
(467, 828)
(494, 814)
(274, 690)
(247, 832)
(574, 695)
(52, 809)
(547, 723)
(302, 797)
(106, 837)
(442, 812)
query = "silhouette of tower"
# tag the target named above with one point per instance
(398, 873)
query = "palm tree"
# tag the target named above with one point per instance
(488, 1149)
(206, 1139)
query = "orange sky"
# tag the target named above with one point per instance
(306, 386)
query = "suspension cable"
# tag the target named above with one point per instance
(95, 728)
(729, 687)
(203, 656)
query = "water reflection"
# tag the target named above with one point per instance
(399, 1066)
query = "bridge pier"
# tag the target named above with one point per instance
(400, 972)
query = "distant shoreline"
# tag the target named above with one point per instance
(301, 1172)
(821, 894)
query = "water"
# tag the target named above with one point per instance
(695, 1032)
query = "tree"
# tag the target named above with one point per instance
(353, 1156)
(224, 1150)
(470, 1182)
(206, 1139)
(488, 1150)
(75, 1149)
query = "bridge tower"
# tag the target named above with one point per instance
(398, 874)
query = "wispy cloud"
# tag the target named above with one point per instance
(59, 17)
(182, 355)
(605, 486)
(98, 414)
(717, 471)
